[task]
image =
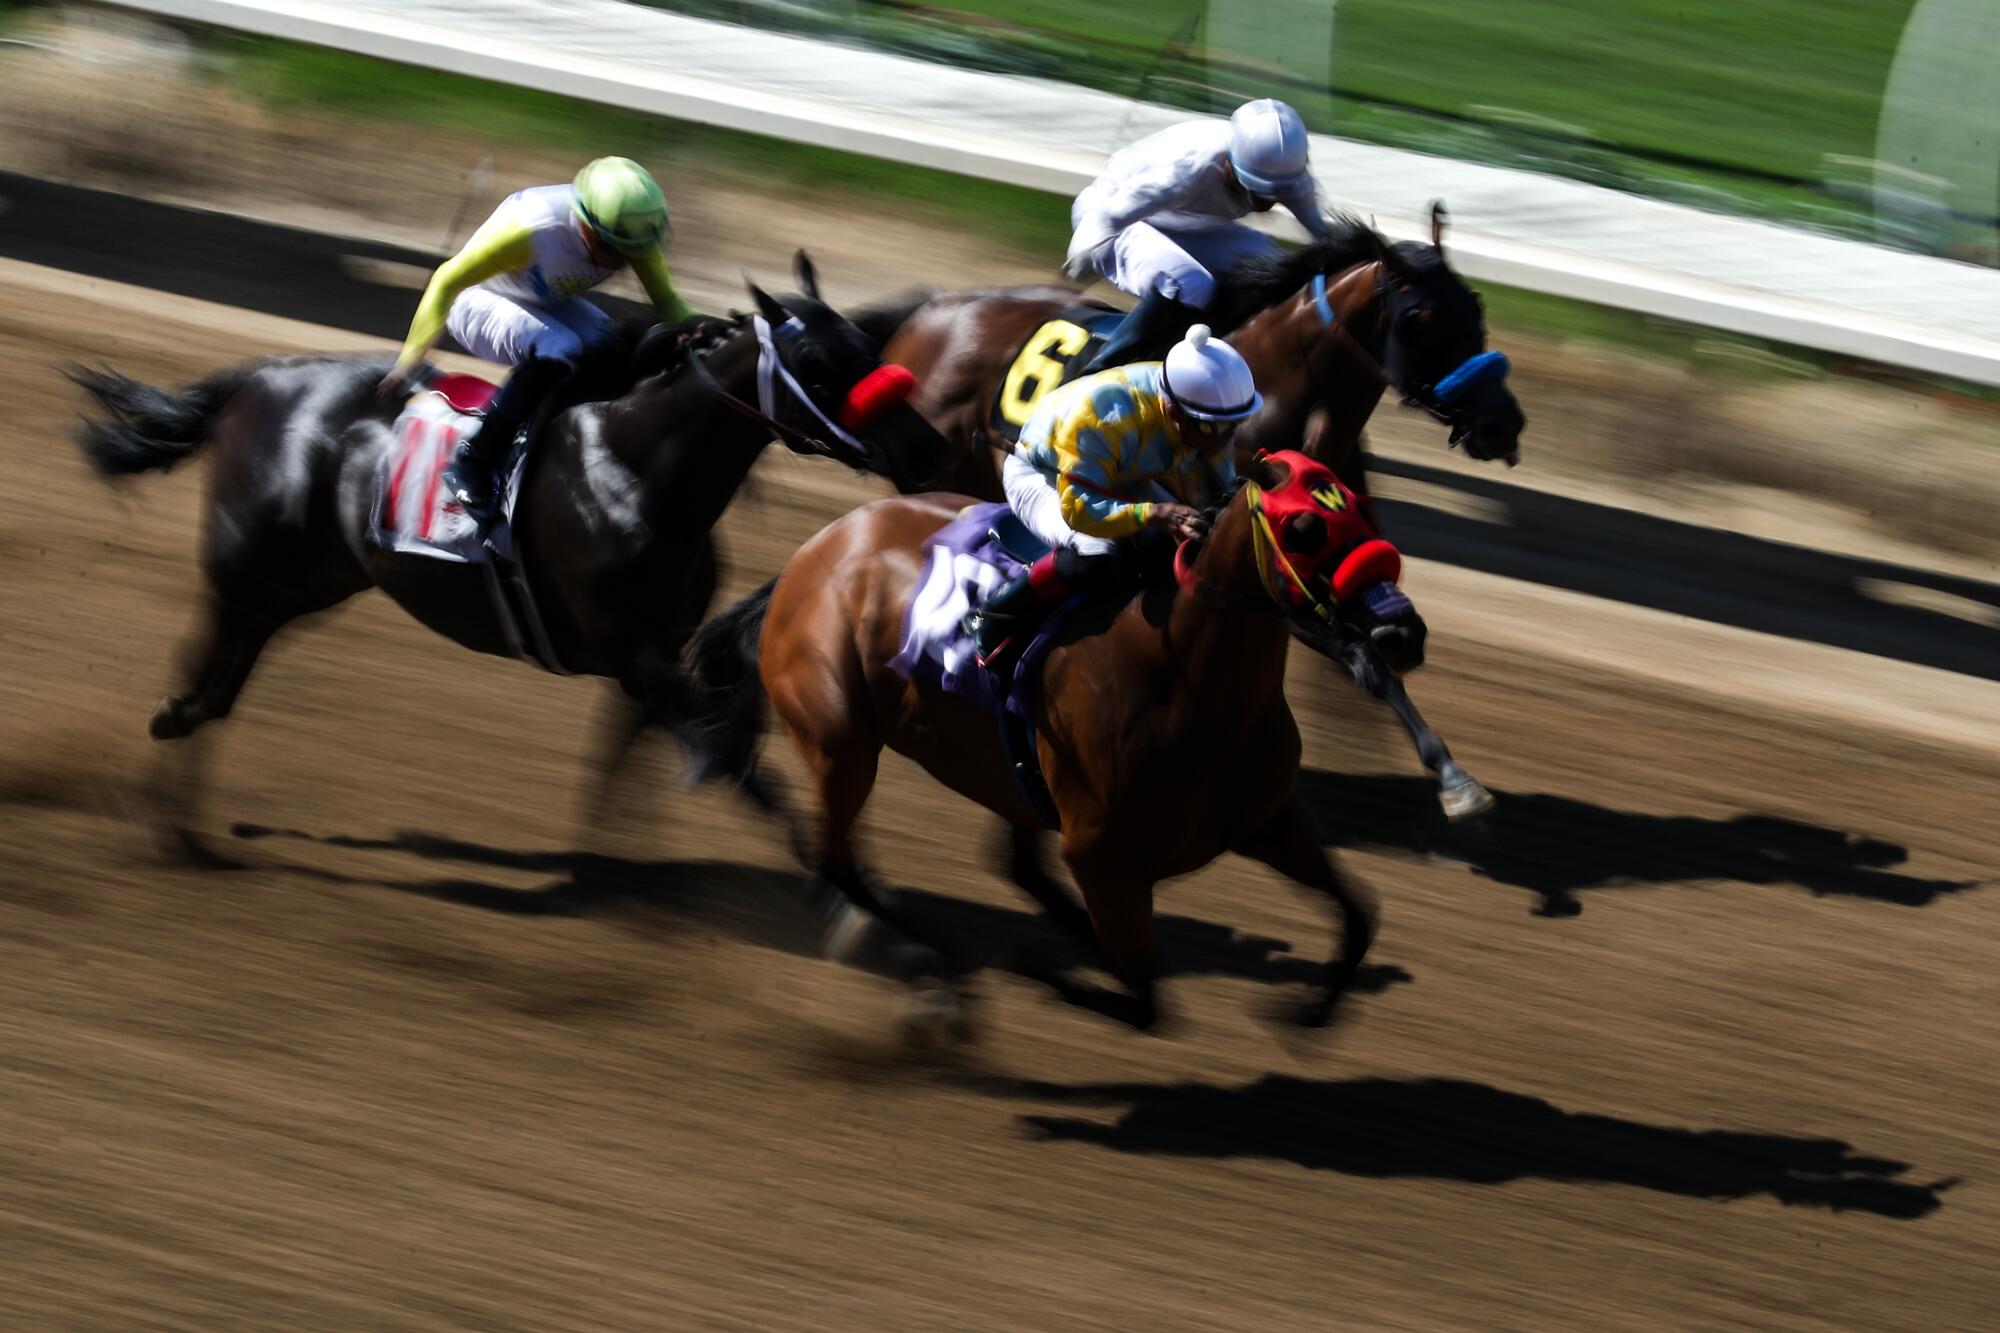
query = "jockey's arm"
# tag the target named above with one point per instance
(1306, 207)
(505, 249)
(1087, 484)
(651, 270)
(1131, 200)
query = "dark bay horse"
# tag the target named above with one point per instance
(1333, 324)
(1165, 741)
(613, 521)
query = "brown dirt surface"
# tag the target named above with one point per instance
(416, 1061)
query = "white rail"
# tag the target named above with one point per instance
(1512, 227)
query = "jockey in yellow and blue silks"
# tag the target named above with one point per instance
(1112, 455)
(514, 295)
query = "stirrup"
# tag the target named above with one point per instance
(481, 512)
(988, 658)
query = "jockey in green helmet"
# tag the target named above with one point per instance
(513, 295)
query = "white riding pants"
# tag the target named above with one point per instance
(1181, 263)
(500, 328)
(1033, 496)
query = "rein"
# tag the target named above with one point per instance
(770, 367)
(1435, 399)
(1271, 561)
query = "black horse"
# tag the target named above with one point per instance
(612, 528)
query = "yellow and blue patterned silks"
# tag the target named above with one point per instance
(1104, 437)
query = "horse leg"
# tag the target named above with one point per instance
(844, 775)
(1290, 845)
(217, 668)
(1120, 904)
(219, 665)
(1027, 871)
(1461, 794)
(621, 721)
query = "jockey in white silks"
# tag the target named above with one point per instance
(1161, 220)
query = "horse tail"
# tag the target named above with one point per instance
(144, 429)
(728, 713)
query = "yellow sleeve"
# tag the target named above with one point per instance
(503, 249)
(651, 268)
(1088, 475)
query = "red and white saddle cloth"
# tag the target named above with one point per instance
(413, 513)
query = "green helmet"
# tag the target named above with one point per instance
(622, 203)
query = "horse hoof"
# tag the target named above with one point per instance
(846, 933)
(937, 1017)
(1464, 799)
(167, 723)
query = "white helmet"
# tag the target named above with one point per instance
(1208, 379)
(1267, 146)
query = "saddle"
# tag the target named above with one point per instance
(971, 558)
(467, 395)
(1049, 358)
(414, 516)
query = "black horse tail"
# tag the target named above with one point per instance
(143, 429)
(728, 708)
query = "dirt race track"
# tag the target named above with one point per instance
(1703, 1034)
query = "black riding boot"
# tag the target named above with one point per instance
(1006, 615)
(1154, 325)
(470, 478)
(1011, 614)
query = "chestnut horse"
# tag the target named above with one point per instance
(1165, 741)
(1333, 323)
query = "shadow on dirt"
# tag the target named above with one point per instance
(1556, 847)
(1708, 573)
(1448, 1129)
(771, 909)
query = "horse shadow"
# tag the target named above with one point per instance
(1452, 1129)
(1557, 847)
(773, 909)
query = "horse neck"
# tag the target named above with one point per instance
(692, 449)
(1300, 361)
(1225, 646)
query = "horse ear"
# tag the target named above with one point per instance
(1438, 219)
(1386, 256)
(1267, 471)
(773, 313)
(802, 269)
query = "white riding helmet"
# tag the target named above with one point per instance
(1268, 148)
(1208, 379)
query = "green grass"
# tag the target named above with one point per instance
(295, 78)
(1595, 89)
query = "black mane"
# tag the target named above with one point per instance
(613, 367)
(1260, 282)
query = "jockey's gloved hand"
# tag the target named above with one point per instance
(1184, 521)
(697, 329)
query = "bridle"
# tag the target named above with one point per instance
(774, 376)
(1440, 400)
(1320, 626)
(1272, 562)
